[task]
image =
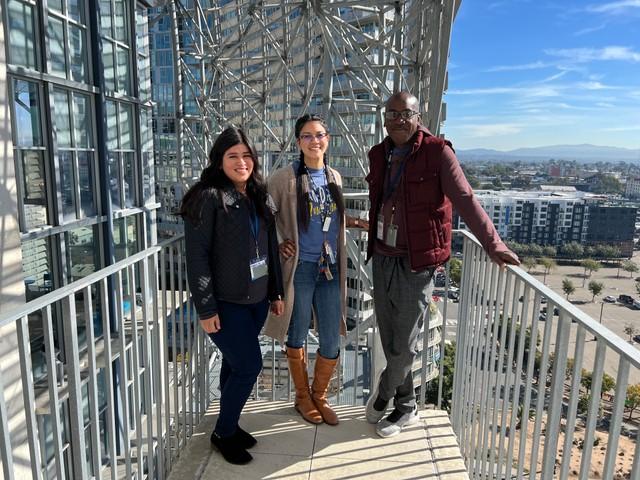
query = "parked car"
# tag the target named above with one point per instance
(556, 310)
(636, 305)
(636, 338)
(609, 299)
(625, 299)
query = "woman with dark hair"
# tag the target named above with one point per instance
(234, 273)
(311, 221)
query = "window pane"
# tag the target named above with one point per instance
(36, 267)
(22, 50)
(26, 114)
(129, 185)
(78, 54)
(108, 60)
(126, 126)
(82, 133)
(119, 239)
(56, 47)
(124, 77)
(67, 185)
(114, 180)
(112, 126)
(85, 179)
(82, 252)
(120, 22)
(105, 17)
(55, 5)
(62, 119)
(76, 10)
(34, 200)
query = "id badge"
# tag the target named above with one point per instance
(328, 274)
(259, 268)
(392, 235)
(331, 257)
(326, 224)
(380, 231)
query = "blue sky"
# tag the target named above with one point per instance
(526, 73)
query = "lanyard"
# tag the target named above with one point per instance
(254, 223)
(392, 183)
(326, 205)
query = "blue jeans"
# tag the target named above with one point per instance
(237, 339)
(312, 291)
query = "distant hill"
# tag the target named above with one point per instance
(580, 153)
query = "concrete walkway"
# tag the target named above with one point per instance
(290, 448)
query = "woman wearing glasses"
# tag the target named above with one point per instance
(311, 222)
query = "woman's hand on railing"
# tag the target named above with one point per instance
(211, 324)
(287, 248)
(277, 307)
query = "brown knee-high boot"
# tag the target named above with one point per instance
(298, 370)
(322, 375)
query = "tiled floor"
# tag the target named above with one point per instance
(290, 448)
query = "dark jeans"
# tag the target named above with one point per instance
(237, 339)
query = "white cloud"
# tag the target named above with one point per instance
(491, 130)
(587, 30)
(626, 128)
(526, 66)
(583, 55)
(616, 8)
(595, 86)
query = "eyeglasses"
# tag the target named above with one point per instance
(307, 137)
(404, 115)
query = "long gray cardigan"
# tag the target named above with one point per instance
(282, 188)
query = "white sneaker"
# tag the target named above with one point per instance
(373, 415)
(387, 428)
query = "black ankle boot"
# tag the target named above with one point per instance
(244, 438)
(231, 449)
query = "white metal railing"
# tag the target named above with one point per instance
(518, 407)
(128, 384)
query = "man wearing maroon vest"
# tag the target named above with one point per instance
(414, 178)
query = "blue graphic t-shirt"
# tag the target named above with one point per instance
(310, 240)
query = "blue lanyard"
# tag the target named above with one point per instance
(254, 223)
(392, 183)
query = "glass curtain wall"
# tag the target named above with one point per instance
(63, 215)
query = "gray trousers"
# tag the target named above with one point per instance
(400, 298)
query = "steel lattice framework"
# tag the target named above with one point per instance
(260, 64)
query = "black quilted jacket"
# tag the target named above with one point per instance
(218, 256)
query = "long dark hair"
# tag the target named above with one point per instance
(213, 177)
(302, 195)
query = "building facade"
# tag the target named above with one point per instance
(79, 140)
(558, 217)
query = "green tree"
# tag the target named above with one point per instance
(633, 398)
(630, 330)
(595, 288)
(455, 271)
(629, 266)
(535, 250)
(548, 264)
(607, 251)
(572, 250)
(589, 265)
(638, 287)
(529, 263)
(608, 382)
(567, 287)
(549, 251)
(583, 404)
(431, 392)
